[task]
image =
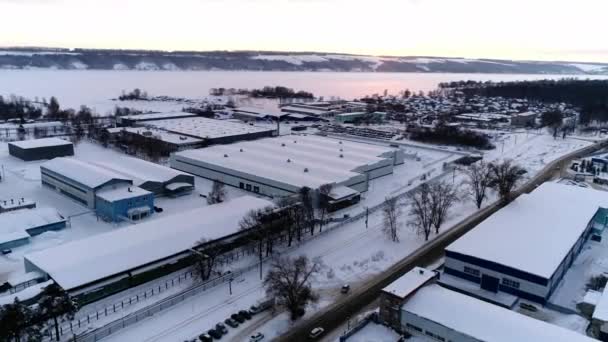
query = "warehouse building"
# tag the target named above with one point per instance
(303, 109)
(431, 311)
(212, 131)
(161, 180)
(110, 194)
(38, 149)
(130, 252)
(278, 167)
(525, 249)
(16, 227)
(165, 141)
(138, 119)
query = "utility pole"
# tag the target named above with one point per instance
(366, 217)
(230, 284)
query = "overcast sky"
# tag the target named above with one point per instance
(514, 29)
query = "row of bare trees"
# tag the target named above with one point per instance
(500, 176)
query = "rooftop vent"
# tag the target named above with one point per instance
(289, 160)
(182, 138)
(341, 156)
(295, 141)
(340, 142)
(341, 150)
(225, 156)
(305, 169)
(421, 271)
(283, 144)
(241, 150)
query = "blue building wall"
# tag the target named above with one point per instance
(49, 227)
(117, 210)
(15, 243)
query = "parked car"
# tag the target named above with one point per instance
(245, 314)
(7, 251)
(231, 323)
(316, 332)
(258, 336)
(238, 318)
(254, 309)
(221, 328)
(205, 338)
(214, 333)
(345, 288)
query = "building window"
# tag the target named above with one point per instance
(256, 189)
(471, 271)
(242, 185)
(413, 327)
(248, 187)
(435, 336)
(510, 283)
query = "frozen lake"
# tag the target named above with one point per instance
(96, 88)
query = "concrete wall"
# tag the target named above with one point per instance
(14, 243)
(46, 228)
(428, 325)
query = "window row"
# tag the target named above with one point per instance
(248, 187)
(471, 271)
(510, 283)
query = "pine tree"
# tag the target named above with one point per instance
(57, 305)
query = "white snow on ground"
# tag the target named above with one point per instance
(351, 254)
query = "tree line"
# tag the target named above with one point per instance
(591, 96)
(450, 135)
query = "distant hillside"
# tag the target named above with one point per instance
(27, 58)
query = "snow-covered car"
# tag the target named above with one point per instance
(316, 332)
(231, 323)
(256, 337)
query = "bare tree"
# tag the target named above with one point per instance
(421, 210)
(308, 210)
(324, 193)
(479, 178)
(217, 193)
(205, 258)
(504, 178)
(255, 223)
(291, 218)
(442, 195)
(289, 281)
(391, 211)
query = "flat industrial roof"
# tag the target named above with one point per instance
(536, 231)
(285, 158)
(125, 249)
(206, 128)
(601, 309)
(483, 321)
(37, 143)
(121, 193)
(140, 170)
(304, 110)
(173, 138)
(13, 224)
(409, 282)
(82, 172)
(157, 116)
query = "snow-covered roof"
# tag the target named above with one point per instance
(200, 127)
(601, 309)
(82, 172)
(157, 116)
(122, 193)
(285, 159)
(341, 191)
(536, 231)
(13, 224)
(27, 293)
(258, 111)
(140, 170)
(303, 110)
(37, 143)
(172, 138)
(128, 248)
(11, 203)
(483, 321)
(409, 282)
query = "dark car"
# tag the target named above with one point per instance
(220, 327)
(254, 309)
(245, 314)
(345, 289)
(238, 318)
(214, 333)
(205, 338)
(231, 323)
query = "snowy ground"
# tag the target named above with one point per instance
(373, 332)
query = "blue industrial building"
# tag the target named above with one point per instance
(110, 194)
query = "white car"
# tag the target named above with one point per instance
(316, 332)
(256, 337)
